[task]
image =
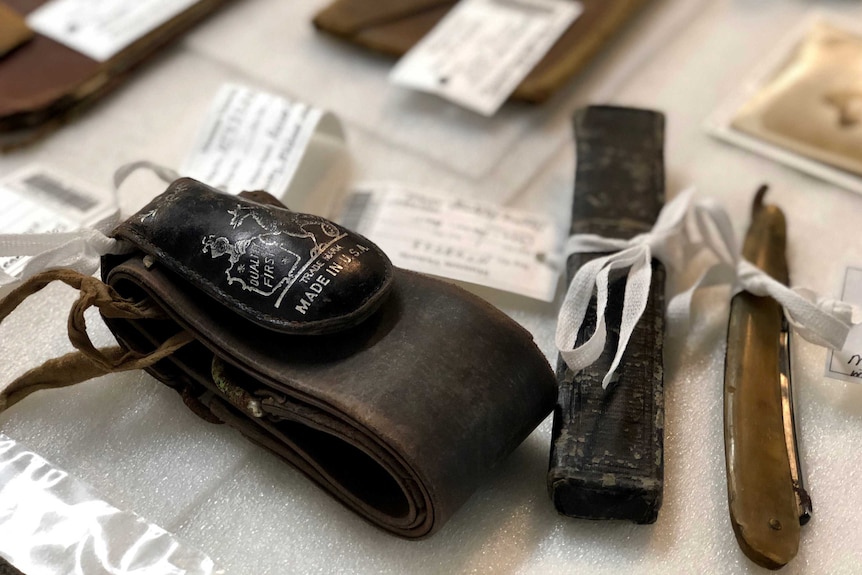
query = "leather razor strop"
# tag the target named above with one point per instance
(395, 392)
(606, 453)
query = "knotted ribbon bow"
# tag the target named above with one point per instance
(683, 229)
(79, 250)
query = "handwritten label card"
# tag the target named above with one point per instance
(253, 140)
(482, 49)
(457, 238)
(846, 365)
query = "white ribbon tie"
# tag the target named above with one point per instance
(683, 229)
(80, 250)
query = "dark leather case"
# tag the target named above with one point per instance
(607, 445)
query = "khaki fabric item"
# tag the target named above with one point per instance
(813, 105)
(394, 26)
(13, 30)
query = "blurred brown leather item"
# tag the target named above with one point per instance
(13, 30)
(394, 26)
(44, 84)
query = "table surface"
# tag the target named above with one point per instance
(140, 449)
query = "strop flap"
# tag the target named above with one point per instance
(286, 271)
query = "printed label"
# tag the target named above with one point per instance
(457, 238)
(101, 29)
(482, 49)
(253, 140)
(846, 365)
(35, 200)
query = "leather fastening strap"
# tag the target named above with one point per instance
(88, 362)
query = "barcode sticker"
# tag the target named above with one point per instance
(42, 183)
(35, 200)
(458, 238)
(482, 49)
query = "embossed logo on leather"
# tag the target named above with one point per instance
(262, 263)
(289, 271)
